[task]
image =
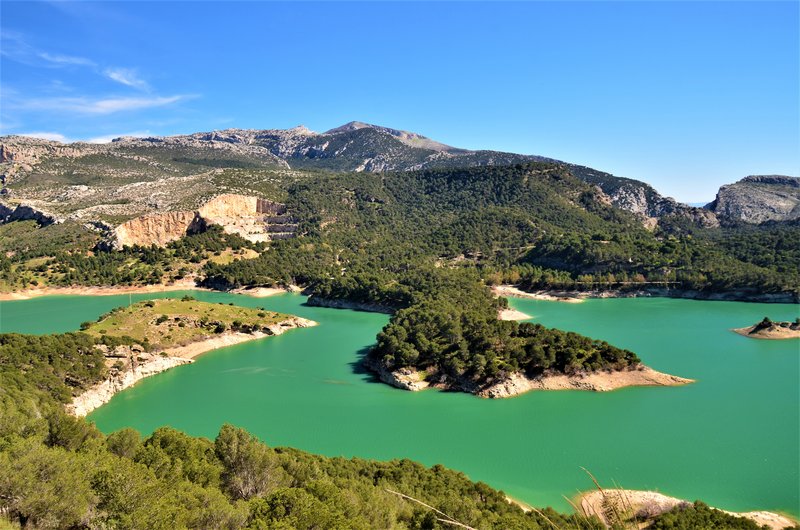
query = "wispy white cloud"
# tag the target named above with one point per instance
(58, 137)
(84, 105)
(22, 109)
(14, 47)
(127, 77)
(65, 60)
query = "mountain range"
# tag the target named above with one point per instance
(106, 182)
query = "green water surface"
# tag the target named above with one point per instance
(731, 439)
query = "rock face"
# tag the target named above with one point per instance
(404, 378)
(156, 229)
(26, 212)
(253, 218)
(130, 365)
(600, 381)
(642, 199)
(759, 198)
(517, 383)
(767, 329)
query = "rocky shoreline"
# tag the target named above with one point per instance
(336, 303)
(771, 331)
(645, 505)
(573, 296)
(80, 290)
(517, 383)
(140, 365)
(264, 292)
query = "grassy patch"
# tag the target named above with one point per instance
(170, 322)
(230, 255)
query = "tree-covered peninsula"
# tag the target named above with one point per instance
(59, 472)
(424, 245)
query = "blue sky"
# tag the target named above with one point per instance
(684, 95)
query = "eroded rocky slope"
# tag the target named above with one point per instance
(759, 198)
(253, 218)
(131, 177)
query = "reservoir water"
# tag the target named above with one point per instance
(731, 439)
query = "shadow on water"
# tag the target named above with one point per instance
(359, 367)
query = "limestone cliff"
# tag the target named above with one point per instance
(253, 218)
(642, 199)
(248, 216)
(759, 198)
(156, 229)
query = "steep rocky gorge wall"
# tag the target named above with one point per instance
(253, 218)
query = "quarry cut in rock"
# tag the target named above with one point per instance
(252, 218)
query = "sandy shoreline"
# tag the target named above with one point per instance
(263, 292)
(550, 296)
(575, 296)
(602, 381)
(648, 504)
(512, 314)
(518, 383)
(195, 349)
(182, 285)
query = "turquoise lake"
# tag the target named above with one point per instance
(731, 439)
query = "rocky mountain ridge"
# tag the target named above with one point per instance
(355, 146)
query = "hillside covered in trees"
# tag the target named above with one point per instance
(425, 244)
(57, 471)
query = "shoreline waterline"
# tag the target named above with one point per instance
(28, 294)
(101, 393)
(653, 503)
(309, 377)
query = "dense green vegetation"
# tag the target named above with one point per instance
(534, 224)
(57, 471)
(700, 515)
(451, 328)
(424, 243)
(60, 472)
(65, 255)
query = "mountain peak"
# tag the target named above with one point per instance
(301, 129)
(409, 138)
(352, 126)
